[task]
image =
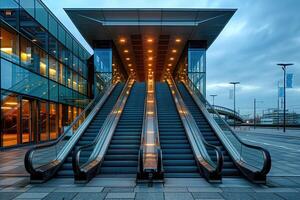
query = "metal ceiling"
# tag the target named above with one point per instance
(163, 26)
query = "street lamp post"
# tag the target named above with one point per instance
(234, 85)
(213, 97)
(283, 66)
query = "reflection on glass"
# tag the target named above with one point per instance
(52, 69)
(197, 68)
(9, 12)
(9, 120)
(9, 45)
(26, 121)
(62, 74)
(26, 53)
(53, 121)
(43, 121)
(70, 115)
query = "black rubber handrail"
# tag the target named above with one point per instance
(37, 174)
(80, 175)
(214, 174)
(261, 175)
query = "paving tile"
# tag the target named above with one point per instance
(275, 189)
(149, 196)
(186, 182)
(79, 189)
(237, 189)
(178, 196)
(236, 196)
(41, 189)
(118, 189)
(204, 189)
(121, 195)
(60, 196)
(30, 195)
(15, 189)
(146, 188)
(289, 195)
(265, 196)
(206, 195)
(8, 195)
(175, 189)
(112, 182)
(90, 196)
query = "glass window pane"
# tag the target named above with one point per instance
(28, 5)
(43, 122)
(9, 44)
(26, 52)
(40, 61)
(53, 121)
(33, 31)
(69, 78)
(61, 35)
(53, 65)
(9, 12)
(75, 81)
(52, 26)
(62, 74)
(53, 86)
(15, 78)
(41, 14)
(53, 47)
(9, 120)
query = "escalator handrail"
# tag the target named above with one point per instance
(93, 162)
(219, 156)
(159, 167)
(28, 160)
(267, 157)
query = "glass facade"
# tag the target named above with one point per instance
(197, 68)
(192, 65)
(43, 74)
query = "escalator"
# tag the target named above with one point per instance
(91, 132)
(178, 157)
(121, 158)
(229, 169)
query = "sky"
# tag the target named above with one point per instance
(261, 34)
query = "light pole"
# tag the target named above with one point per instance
(213, 97)
(234, 85)
(283, 66)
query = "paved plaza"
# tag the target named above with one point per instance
(283, 181)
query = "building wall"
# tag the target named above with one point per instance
(43, 74)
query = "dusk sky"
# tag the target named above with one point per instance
(260, 34)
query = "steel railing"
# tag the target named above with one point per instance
(211, 168)
(43, 160)
(85, 170)
(150, 155)
(253, 161)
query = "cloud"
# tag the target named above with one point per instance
(260, 34)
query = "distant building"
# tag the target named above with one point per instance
(275, 116)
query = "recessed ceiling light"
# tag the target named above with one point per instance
(174, 51)
(150, 58)
(113, 64)
(150, 51)
(149, 64)
(171, 58)
(131, 69)
(150, 40)
(129, 65)
(169, 64)
(126, 51)
(127, 58)
(122, 40)
(178, 40)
